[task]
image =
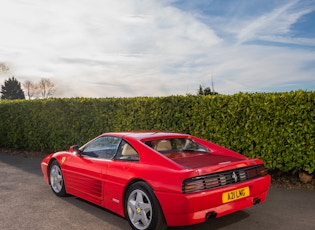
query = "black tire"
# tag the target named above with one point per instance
(142, 208)
(56, 179)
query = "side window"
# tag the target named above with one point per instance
(103, 147)
(126, 152)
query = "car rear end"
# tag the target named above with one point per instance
(215, 195)
(213, 181)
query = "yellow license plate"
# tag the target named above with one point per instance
(235, 194)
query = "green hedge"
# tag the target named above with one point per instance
(277, 127)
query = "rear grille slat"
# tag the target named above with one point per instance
(216, 180)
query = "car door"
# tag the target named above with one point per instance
(120, 171)
(85, 172)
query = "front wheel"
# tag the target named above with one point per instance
(56, 179)
(142, 208)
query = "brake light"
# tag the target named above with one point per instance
(215, 180)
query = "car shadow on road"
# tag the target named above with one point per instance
(218, 223)
(109, 217)
(115, 220)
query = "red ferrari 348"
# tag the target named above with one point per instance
(158, 179)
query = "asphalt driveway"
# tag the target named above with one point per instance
(26, 202)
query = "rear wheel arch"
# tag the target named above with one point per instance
(138, 185)
(129, 185)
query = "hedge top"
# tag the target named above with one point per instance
(277, 127)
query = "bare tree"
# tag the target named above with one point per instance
(4, 67)
(30, 88)
(46, 87)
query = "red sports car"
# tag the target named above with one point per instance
(158, 179)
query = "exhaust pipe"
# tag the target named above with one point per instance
(256, 201)
(211, 215)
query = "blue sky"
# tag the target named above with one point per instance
(109, 48)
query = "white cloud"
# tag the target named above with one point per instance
(273, 26)
(104, 48)
(252, 68)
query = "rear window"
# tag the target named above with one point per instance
(176, 145)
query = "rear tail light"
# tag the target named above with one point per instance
(210, 181)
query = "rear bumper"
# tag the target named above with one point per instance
(194, 208)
